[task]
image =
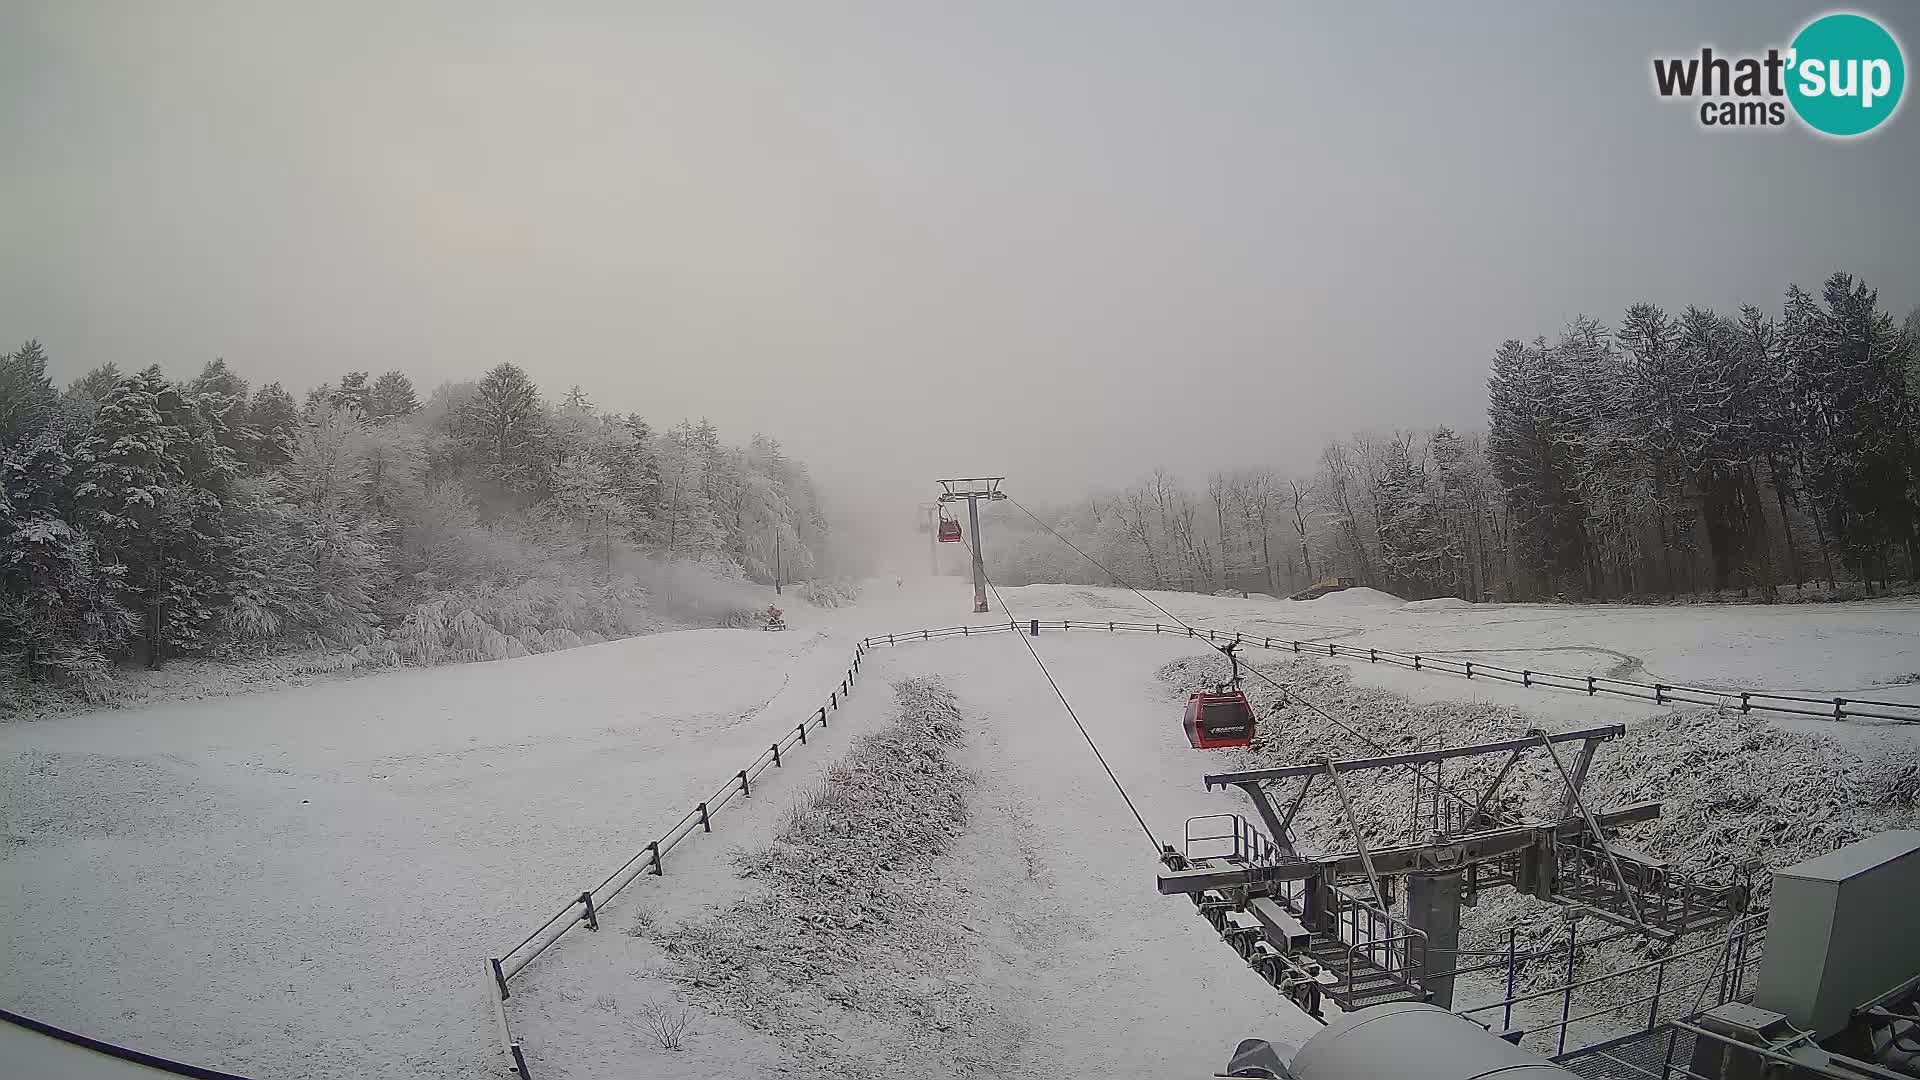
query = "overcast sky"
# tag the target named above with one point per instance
(1064, 241)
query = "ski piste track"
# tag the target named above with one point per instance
(59, 1053)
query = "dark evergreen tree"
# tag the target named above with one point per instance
(503, 432)
(95, 385)
(391, 397)
(353, 393)
(151, 474)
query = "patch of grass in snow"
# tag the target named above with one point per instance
(850, 932)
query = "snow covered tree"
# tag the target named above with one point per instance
(95, 385)
(692, 528)
(1531, 446)
(152, 472)
(503, 431)
(26, 394)
(1416, 552)
(353, 393)
(391, 397)
(57, 615)
(217, 378)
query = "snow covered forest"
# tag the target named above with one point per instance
(146, 518)
(1664, 456)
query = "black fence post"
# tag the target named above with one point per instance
(706, 822)
(776, 756)
(1659, 694)
(1745, 705)
(1036, 628)
(1589, 686)
(1526, 678)
(499, 977)
(802, 729)
(658, 870)
(1373, 656)
(1416, 661)
(593, 919)
(823, 716)
(833, 699)
(1469, 669)
(1839, 708)
(744, 789)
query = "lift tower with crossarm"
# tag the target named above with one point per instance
(973, 489)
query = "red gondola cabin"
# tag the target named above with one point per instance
(1222, 718)
(949, 531)
(1213, 721)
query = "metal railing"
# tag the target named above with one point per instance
(1386, 945)
(1729, 967)
(585, 909)
(1747, 701)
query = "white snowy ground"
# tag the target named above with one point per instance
(302, 883)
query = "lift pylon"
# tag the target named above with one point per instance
(973, 489)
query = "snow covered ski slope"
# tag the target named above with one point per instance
(300, 883)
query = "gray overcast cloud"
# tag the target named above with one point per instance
(1068, 241)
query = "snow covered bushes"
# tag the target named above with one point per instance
(849, 924)
(829, 594)
(530, 618)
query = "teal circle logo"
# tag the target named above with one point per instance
(1847, 75)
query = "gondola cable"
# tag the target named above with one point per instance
(1285, 691)
(1057, 692)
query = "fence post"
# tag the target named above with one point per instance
(1566, 1006)
(1839, 710)
(1526, 677)
(1469, 669)
(1296, 646)
(1036, 628)
(1659, 979)
(823, 716)
(1373, 656)
(776, 756)
(744, 790)
(1416, 661)
(1745, 705)
(593, 920)
(833, 699)
(1330, 648)
(499, 977)
(706, 822)
(802, 729)
(1506, 1023)
(658, 870)
(1659, 692)
(1590, 687)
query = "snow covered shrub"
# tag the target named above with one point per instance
(829, 594)
(535, 616)
(850, 916)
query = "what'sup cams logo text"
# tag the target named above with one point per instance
(1842, 76)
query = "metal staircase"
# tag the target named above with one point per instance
(1347, 951)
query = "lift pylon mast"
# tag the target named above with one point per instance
(973, 489)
